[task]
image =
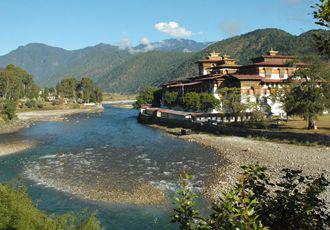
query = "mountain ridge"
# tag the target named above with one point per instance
(120, 70)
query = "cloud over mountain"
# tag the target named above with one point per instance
(172, 28)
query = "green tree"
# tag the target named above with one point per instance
(9, 109)
(296, 203)
(149, 95)
(15, 83)
(86, 87)
(33, 92)
(97, 95)
(171, 99)
(17, 211)
(208, 102)
(231, 101)
(322, 15)
(256, 202)
(307, 96)
(191, 101)
(185, 212)
(45, 93)
(68, 88)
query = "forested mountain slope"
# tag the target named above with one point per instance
(127, 71)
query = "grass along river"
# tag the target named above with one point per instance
(106, 162)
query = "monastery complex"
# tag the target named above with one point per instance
(257, 82)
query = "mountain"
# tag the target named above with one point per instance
(117, 70)
(50, 64)
(253, 44)
(142, 69)
(173, 45)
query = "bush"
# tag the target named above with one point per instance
(9, 109)
(293, 202)
(17, 211)
(191, 101)
(171, 98)
(40, 105)
(257, 119)
(149, 95)
(208, 102)
(31, 104)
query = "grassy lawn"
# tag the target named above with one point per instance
(297, 124)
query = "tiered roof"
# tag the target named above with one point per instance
(272, 58)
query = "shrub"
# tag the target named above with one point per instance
(40, 105)
(293, 202)
(208, 102)
(191, 101)
(257, 119)
(171, 99)
(9, 109)
(17, 211)
(149, 95)
(31, 104)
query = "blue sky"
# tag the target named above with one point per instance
(74, 24)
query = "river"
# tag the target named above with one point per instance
(106, 162)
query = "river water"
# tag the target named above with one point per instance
(106, 162)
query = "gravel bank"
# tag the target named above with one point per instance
(53, 115)
(275, 156)
(238, 151)
(9, 147)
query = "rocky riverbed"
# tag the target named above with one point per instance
(238, 151)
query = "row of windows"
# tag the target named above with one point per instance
(274, 71)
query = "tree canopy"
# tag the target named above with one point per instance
(257, 201)
(85, 89)
(149, 95)
(16, 83)
(322, 16)
(308, 96)
(17, 211)
(231, 100)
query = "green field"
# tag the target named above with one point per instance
(297, 124)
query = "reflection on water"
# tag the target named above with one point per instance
(108, 157)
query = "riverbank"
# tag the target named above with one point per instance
(53, 115)
(26, 119)
(10, 147)
(238, 151)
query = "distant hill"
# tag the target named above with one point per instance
(50, 64)
(253, 44)
(142, 69)
(117, 70)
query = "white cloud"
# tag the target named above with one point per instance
(231, 28)
(172, 28)
(145, 41)
(125, 44)
(147, 45)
